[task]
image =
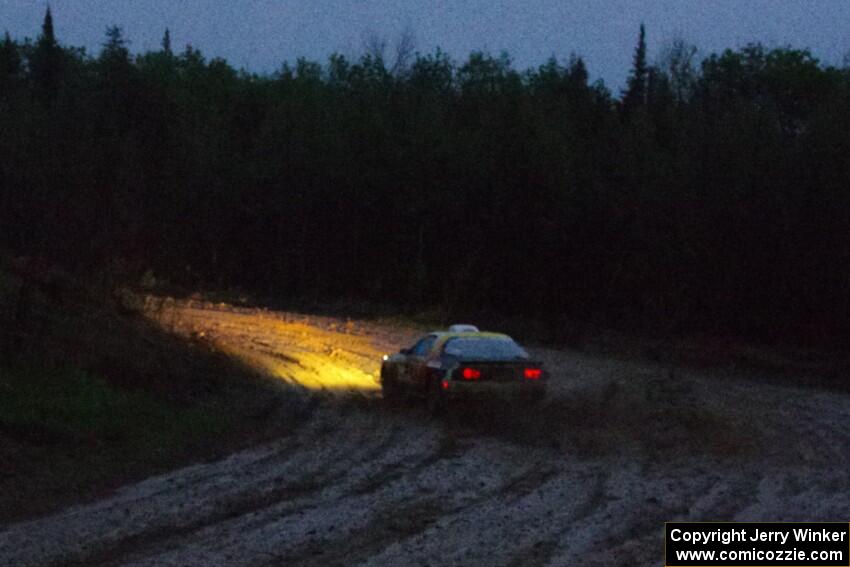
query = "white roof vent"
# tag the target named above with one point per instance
(463, 329)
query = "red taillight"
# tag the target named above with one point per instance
(470, 374)
(446, 384)
(533, 373)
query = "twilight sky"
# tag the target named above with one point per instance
(260, 34)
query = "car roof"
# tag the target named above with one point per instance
(446, 335)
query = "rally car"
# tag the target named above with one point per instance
(461, 363)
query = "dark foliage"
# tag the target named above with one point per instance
(709, 200)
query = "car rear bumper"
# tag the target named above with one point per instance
(500, 390)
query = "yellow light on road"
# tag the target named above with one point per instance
(296, 352)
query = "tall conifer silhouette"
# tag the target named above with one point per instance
(636, 88)
(46, 62)
(166, 42)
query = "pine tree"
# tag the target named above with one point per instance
(166, 42)
(115, 46)
(577, 71)
(48, 36)
(117, 78)
(46, 62)
(635, 94)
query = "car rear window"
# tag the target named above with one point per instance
(484, 348)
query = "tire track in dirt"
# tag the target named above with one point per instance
(421, 485)
(381, 458)
(246, 484)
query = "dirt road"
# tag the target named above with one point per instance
(619, 448)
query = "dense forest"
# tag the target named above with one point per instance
(710, 196)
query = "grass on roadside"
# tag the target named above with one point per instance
(92, 396)
(52, 404)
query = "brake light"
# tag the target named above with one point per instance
(533, 373)
(446, 384)
(470, 374)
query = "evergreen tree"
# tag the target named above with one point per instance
(166, 42)
(116, 72)
(636, 87)
(48, 36)
(115, 47)
(577, 72)
(46, 62)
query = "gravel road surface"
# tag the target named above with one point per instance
(591, 476)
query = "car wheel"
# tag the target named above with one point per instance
(389, 387)
(435, 399)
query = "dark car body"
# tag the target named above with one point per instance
(445, 366)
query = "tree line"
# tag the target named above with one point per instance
(710, 196)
